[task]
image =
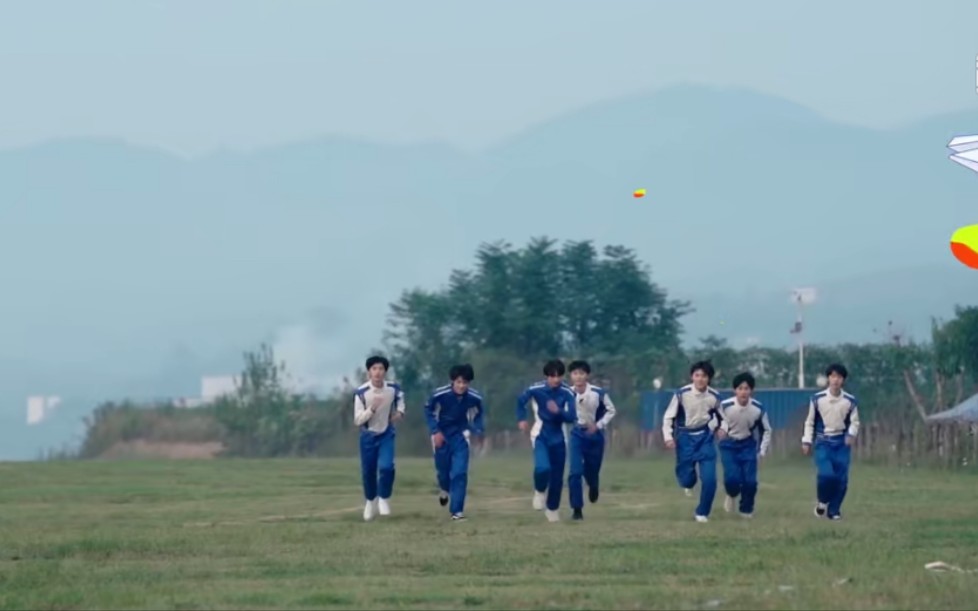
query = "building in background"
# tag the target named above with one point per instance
(40, 408)
(213, 388)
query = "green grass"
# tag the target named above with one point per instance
(289, 534)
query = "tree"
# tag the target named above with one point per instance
(420, 334)
(538, 299)
(953, 358)
(262, 418)
(535, 303)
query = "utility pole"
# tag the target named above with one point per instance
(801, 298)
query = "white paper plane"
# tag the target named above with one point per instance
(965, 151)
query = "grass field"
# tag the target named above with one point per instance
(289, 534)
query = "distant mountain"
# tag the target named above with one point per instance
(128, 271)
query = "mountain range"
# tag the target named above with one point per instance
(130, 271)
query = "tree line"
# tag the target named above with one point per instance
(515, 308)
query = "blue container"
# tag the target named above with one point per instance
(785, 406)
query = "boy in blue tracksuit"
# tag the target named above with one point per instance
(454, 413)
(377, 405)
(595, 411)
(688, 426)
(553, 406)
(832, 423)
(743, 418)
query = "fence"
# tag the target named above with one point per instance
(899, 442)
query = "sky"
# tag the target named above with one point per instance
(195, 76)
(199, 76)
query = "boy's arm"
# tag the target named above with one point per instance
(521, 411)
(853, 421)
(806, 438)
(399, 400)
(669, 417)
(429, 415)
(361, 413)
(724, 423)
(570, 414)
(765, 434)
(478, 425)
(609, 411)
(716, 417)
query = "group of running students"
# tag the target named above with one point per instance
(572, 418)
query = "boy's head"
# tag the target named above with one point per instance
(580, 371)
(461, 376)
(377, 367)
(700, 373)
(836, 374)
(554, 372)
(743, 385)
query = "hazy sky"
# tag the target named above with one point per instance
(197, 75)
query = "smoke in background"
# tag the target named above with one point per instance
(320, 350)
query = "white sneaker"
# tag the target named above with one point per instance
(821, 509)
(552, 516)
(539, 500)
(370, 510)
(746, 516)
(702, 519)
(688, 491)
(385, 507)
(728, 504)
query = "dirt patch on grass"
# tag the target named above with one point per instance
(153, 449)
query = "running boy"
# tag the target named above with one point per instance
(694, 416)
(594, 412)
(832, 423)
(553, 406)
(377, 405)
(742, 418)
(454, 413)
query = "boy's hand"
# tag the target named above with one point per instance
(397, 416)
(438, 439)
(721, 434)
(592, 429)
(806, 449)
(671, 444)
(552, 407)
(524, 426)
(850, 440)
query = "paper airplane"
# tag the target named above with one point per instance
(965, 151)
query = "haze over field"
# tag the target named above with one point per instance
(178, 187)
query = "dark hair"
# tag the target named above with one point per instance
(582, 365)
(378, 360)
(740, 378)
(554, 368)
(704, 366)
(838, 368)
(462, 371)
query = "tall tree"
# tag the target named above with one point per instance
(579, 276)
(953, 360)
(496, 290)
(419, 334)
(537, 302)
(537, 314)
